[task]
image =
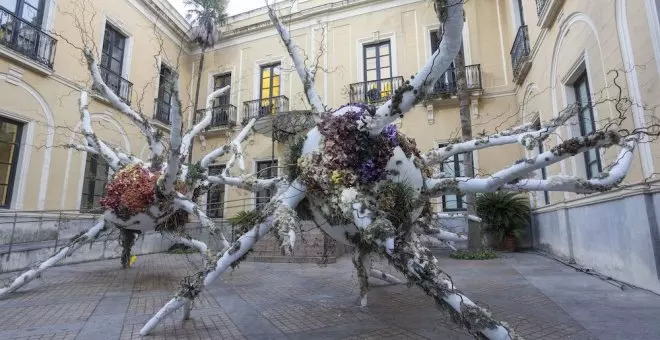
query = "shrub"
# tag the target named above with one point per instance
(482, 254)
(503, 214)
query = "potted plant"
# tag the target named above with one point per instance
(504, 215)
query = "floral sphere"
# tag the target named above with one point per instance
(341, 164)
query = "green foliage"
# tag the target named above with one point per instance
(295, 151)
(397, 201)
(482, 254)
(206, 16)
(245, 220)
(503, 213)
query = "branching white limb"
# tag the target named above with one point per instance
(90, 236)
(288, 198)
(203, 124)
(362, 265)
(305, 75)
(174, 160)
(410, 94)
(234, 146)
(246, 182)
(92, 140)
(508, 178)
(189, 242)
(138, 119)
(524, 135)
(190, 207)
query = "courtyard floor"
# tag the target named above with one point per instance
(541, 298)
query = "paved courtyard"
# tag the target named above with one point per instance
(541, 298)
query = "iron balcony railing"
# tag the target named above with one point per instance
(221, 116)
(374, 91)
(120, 86)
(26, 39)
(540, 6)
(264, 107)
(447, 85)
(520, 51)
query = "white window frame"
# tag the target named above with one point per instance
(128, 49)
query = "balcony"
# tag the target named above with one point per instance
(120, 86)
(447, 87)
(521, 55)
(26, 39)
(222, 117)
(374, 91)
(547, 11)
(265, 111)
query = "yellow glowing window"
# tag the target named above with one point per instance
(270, 86)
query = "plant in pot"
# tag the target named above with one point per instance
(505, 215)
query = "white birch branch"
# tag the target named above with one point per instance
(305, 75)
(124, 158)
(457, 214)
(505, 178)
(607, 181)
(234, 146)
(90, 236)
(381, 275)
(199, 127)
(522, 134)
(94, 142)
(174, 161)
(114, 100)
(191, 208)
(412, 93)
(247, 182)
(289, 198)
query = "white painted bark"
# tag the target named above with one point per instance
(92, 140)
(381, 275)
(138, 119)
(289, 197)
(523, 135)
(304, 74)
(174, 160)
(503, 179)
(90, 236)
(234, 146)
(190, 207)
(428, 75)
(458, 214)
(249, 184)
(189, 242)
(199, 127)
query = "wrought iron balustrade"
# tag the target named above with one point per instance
(223, 115)
(374, 91)
(447, 84)
(27, 39)
(120, 86)
(520, 51)
(265, 107)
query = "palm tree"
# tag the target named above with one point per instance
(205, 16)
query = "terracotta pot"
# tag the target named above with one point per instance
(508, 244)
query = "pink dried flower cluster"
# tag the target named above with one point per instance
(132, 190)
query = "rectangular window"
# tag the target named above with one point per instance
(454, 166)
(587, 123)
(112, 59)
(10, 139)
(270, 88)
(165, 88)
(378, 71)
(31, 11)
(95, 180)
(220, 115)
(266, 169)
(215, 199)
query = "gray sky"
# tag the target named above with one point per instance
(235, 6)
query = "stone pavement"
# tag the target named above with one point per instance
(541, 298)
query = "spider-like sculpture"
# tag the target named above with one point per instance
(367, 184)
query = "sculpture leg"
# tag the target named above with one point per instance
(90, 236)
(127, 240)
(361, 262)
(418, 265)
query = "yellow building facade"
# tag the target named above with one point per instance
(526, 60)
